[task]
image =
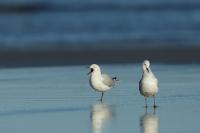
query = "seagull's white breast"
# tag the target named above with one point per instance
(96, 83)
(149, 85)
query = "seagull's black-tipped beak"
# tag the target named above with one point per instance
(91, 70)
(147, 69)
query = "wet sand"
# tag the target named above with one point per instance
(59, 99)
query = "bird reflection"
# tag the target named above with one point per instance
(101, 113)
(149, 122)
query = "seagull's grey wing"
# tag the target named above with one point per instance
(140, 84)
(107, 80)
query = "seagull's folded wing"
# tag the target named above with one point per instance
(107, 80)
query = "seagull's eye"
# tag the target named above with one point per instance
(91, 70)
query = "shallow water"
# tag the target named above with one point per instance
(59, 99)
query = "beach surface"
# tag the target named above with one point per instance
(59, 99)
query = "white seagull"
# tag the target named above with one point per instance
(148, 84)
(100, 82)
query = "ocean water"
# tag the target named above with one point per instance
(59, 99)
(90, 24)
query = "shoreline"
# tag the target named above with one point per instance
(65, 57)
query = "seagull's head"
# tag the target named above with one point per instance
(146, 65)
(94, 68)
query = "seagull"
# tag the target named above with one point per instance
(100, 82)
(148, 84)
